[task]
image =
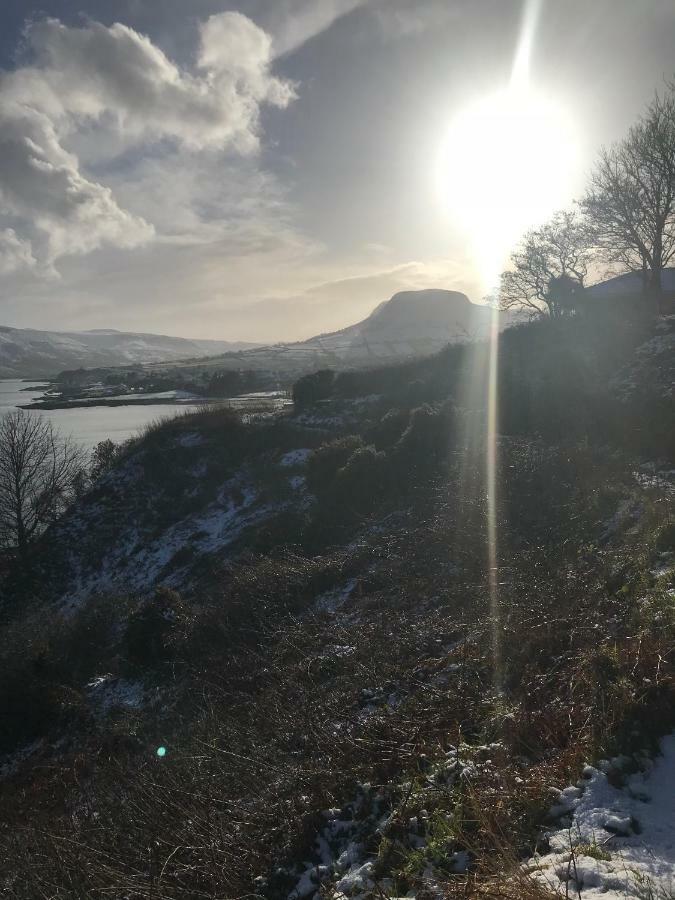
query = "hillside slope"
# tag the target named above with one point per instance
(28, 353)
(409, 325)
(274, 659)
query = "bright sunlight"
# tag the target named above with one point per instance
(507, 162)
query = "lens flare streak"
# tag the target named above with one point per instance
(491, 467)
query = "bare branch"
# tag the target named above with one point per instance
(38, 474)
(548, 267)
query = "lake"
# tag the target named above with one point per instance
(88, 426)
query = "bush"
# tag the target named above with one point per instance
(665, 541)
(426, 442)
(156, 629)
(103, 458)
(362, 481)
(389, 429)
(310, 389)
(324, 463)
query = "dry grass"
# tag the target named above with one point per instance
(263, 711)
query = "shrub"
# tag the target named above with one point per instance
(324, 463)
(665, 541)
(426, 442)
(156, 629)
(310, 389)
(389, 429)
(103, 458)
(362, 481)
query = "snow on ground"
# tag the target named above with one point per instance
(295, 457)
(651, 477)
(619, 842)
(331, 601)
(191, 439)
(627, 513)
(140, 562)
(323, 422)
(107, 692)
(339, 852)
(653, 366)
(342, 866)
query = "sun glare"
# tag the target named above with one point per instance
(507, 162)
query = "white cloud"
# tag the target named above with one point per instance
(113, 86)
(14, 253)
(294, 22)
(401, 19)
(41, 185)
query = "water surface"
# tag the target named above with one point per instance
(89, 425)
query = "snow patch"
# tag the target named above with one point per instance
(331, 601)
(620, 842)
(191, 439)
(295, 457)
(107, 692)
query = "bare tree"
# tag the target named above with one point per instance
(631, 198)
(39, 471)
(548, 268)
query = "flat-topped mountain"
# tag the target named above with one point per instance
(411, 323)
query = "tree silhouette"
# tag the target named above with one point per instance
(631, 198)
(548, 267)
(39, 472)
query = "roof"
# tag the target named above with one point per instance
(629, 283)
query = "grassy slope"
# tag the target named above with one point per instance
(274, 708)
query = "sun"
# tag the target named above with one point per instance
(507, 162)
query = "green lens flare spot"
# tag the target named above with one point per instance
(161, 751)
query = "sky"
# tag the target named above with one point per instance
(272, 169)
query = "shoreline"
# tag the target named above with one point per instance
(85, 404)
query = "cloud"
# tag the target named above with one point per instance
(294, 22)
(14, 253)
(115, 84)
(401, 19)
(41, 185)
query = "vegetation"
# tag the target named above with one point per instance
(342, 655)
(39, 472)
(626, 218)
(631, 199)
(322, 649)
(549, 268)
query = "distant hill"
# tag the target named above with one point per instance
(411, 323)
(27, 353)
(629, 284)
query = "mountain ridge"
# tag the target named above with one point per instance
(36, 353)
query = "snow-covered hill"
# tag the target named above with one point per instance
(411, 323)
(27, 353)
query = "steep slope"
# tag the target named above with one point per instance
(266, 658)
(27, 353)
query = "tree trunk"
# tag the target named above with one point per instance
(21, 538)
(654, 291)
